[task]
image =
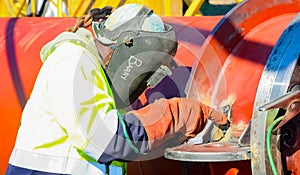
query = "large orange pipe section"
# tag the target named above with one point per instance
(235, 54)
(20, 42)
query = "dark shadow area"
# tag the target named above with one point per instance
(290, 144)
(208, 9)
(171, 86)
(178, 28)
(12, 61)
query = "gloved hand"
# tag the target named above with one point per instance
(170, 122)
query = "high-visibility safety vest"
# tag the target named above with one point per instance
(70, 116)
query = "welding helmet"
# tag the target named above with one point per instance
(140, 50)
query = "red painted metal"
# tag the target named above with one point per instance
(191, 33)
(234, 56)
(21, 40)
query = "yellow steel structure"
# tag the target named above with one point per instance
(12, 8)
(75, 8)
(17, 8)
(194, 7)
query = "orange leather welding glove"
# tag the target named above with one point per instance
(169, 122)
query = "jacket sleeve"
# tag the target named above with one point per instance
(119, 148)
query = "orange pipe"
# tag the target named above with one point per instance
(19, 65)
(232, 62)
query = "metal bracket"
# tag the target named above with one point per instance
(290, 102)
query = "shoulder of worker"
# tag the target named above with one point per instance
(82, 37)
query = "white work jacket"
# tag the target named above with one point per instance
(71, 111)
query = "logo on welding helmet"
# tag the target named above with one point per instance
(132, 62)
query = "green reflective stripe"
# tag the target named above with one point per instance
(88, 158)
(85, 156)
(106, 169)
(49, 53)
(82, 111)
(98, 98)
(53, 143)
(123, 165)
(106, 86)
